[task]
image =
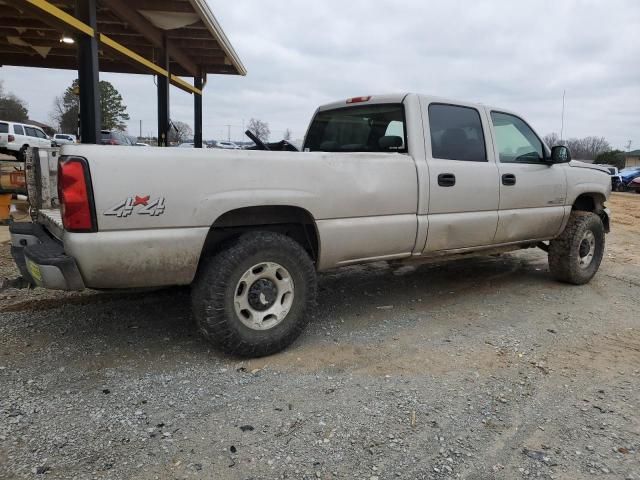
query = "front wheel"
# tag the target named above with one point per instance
(575, 256)
(253, 298)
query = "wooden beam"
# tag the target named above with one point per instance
(65, 63)
(149, 31)
(118, 47)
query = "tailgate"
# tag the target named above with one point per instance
(42, 178)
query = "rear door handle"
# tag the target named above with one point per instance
(446, 179)
(508, 179)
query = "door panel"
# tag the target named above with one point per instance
(532, 191)
(460, 230)
(529, 224)
(463, 179)
(533, 207)
(354, 240)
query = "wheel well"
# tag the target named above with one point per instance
(593, 202)
(294, 222)
(589, 202)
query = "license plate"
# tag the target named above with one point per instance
(34, 271)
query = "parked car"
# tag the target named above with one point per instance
(16, 137)
(634, 185)
(191, 145)
(627, 175)
(226, 145)
(142, 144)
(402, 178)
(63, 139)
(114, 137)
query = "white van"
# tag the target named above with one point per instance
(15, 138)
(63, 139)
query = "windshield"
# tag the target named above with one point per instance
(371, 128)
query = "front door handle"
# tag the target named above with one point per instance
(446, 179)
(508, 179)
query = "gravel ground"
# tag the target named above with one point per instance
(481, 369)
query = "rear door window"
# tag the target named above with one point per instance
(18, 130)
(370, 128)
(4, 127)
(456, 133)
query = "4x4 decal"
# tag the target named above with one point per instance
(129, 206)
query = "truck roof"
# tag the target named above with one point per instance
(399, 98)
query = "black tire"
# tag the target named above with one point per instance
(571, 248)
(216, 287)
(21, 156)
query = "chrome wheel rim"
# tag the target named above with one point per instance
(587, 249)
(264, 295)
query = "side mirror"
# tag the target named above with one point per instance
(560, 154)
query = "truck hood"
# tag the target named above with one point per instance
(591, 166)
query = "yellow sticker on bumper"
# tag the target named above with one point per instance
(34, 271)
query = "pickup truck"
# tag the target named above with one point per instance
(400, 178)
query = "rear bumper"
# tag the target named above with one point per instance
(41, 258)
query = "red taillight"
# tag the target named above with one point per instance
(358, 99)
(113, 141)
(11, 138)
(74, 191)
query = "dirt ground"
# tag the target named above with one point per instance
(481, 368)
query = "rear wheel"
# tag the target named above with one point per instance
(575, 256)
(253, 298)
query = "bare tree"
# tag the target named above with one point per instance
(587, 148)
(552, 139)
(260, 129)
(287, 135)
(57, 114)
(180, 132)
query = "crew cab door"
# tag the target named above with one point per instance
(532, 191)
(463, 178)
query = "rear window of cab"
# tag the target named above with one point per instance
(370, 128)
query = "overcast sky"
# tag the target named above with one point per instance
(519, 55)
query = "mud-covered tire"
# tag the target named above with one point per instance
(215, 294)
(569, 259)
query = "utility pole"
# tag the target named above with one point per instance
(140, 132)
(562, 121)
(629, 146)
(228, 132)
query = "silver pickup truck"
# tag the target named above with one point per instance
(403, 177)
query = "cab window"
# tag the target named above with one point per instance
(370, 128)
(456, 133)
(516, 141)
